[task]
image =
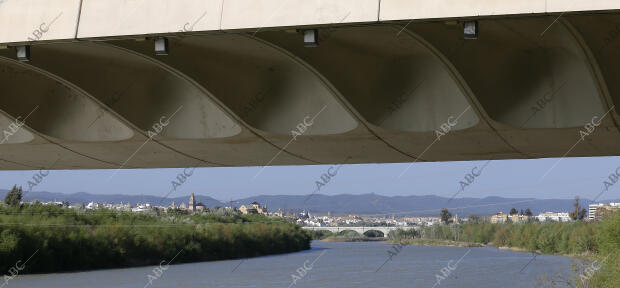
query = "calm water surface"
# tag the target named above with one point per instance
(337, 265)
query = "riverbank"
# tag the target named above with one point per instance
(450, 243)
(588, 241)
(583, 255)
(435, 242)
(58, 239)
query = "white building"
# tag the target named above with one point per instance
(592, 208)
(57, 203)
(309, 222)
(142, 208)
(93, 205)
(554, 216)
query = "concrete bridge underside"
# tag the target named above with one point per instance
(374, 90)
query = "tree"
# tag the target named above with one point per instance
(513, 211)
(474, 219)
(445, 216)
(521, 213)
(528, 212)
(14, 197)
(579, 212)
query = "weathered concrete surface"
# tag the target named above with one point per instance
(243, 14)
(38, 20)
(122, 17)
(252, 94)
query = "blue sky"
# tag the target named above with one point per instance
(506, 178)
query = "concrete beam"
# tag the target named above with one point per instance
(123, 17)
(555, 6)
(244, 14)
(431, 9)
(55, 20)
(38, 20)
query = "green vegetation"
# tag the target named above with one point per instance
(445, 216)
(436, 242)
(579, 213)
(69, 240)
(399, 235)
(608, 253)
(14, 197)
(348, 234)
(319, 234)
(353, 236)
(412, 237)
(550, 238)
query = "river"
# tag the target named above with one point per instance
(336, 264)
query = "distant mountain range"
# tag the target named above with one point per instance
(428, 205)
(367, 204)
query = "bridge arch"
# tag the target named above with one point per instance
(373, 233)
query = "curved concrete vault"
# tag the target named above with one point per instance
(141, 90)
(375, 93)
(34, 134)
(92, 129)
(273, 92)
(402, 89)
(517, 63)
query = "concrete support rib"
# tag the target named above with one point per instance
(537, 86)
(36, 113)
(151, 102)
(600, 38)
(277, 94)
(378, 143)
(399, 88)
(610, 138)
(13, 137)
(249, 145)
(485, 134)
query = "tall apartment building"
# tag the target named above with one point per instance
(594, 208)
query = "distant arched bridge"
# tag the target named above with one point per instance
(360, 230)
